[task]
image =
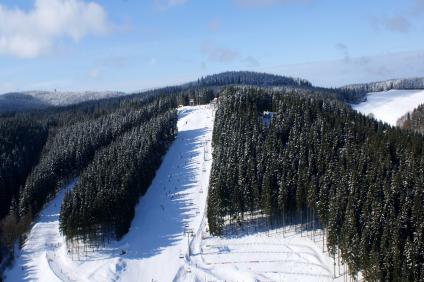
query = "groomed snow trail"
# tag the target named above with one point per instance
(175, 202)
(153, 248)
(157, 246)
(389, 106)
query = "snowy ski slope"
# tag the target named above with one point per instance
(175, 201)
(168, 239)
(389, 106)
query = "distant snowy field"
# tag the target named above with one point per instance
(157, 247)
(389, 106)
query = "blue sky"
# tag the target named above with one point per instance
(138, 44)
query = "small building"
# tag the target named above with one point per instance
(191, 103)
(266, 118)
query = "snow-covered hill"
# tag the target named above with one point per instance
(63, 98)
(32, 100)
(168, 239)
(389, 106)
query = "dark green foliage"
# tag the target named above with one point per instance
(250, 78)
(413, 121)
(363, 179)
(101, 206)
(73, 147)
(21, 141)
(42, 149)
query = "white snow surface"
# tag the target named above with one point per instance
(156, 248)
(389, 106)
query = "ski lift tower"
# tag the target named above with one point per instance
(189, 232)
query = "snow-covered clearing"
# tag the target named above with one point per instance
(168, 239)
(279, 254)
(389, 106)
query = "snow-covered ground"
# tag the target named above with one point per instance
(389, 106)
(33, 261)
(168, 238)
(174, 202)
(277, 255)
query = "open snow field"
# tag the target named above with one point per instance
(168, 239)
(389, 106)
(276, 255)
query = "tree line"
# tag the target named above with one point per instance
(72, 148)
(413, 120)
(361, 89)
(101, 206)
(250, 78)
(315, 157)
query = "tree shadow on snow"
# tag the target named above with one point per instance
(166, 208)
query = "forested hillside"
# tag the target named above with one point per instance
(413, 121)
(309, 157)
(32, 100)
(43, 149)
(14, 102)
(314, 157)
(73, 147)
(250, 78)
(101, 206)
(21, 141)
(364, 88)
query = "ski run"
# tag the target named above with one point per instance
(169, 240)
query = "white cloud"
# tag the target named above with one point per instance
(219, 54)
(345, 51)
(253, 3)
(214, 24)
(28, 34)
(176, 2)
(401, 21)
(358, 70)
(93, 73)
(251, 61)
(164, 4)
(395, 24)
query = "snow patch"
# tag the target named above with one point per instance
(389, 106)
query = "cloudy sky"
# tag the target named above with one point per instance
(138, 44)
